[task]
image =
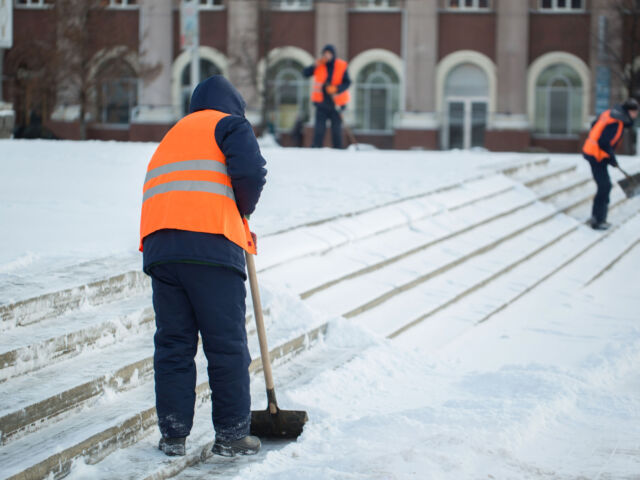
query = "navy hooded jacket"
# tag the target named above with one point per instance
(346, 80)
(608, 133)
(245, 165)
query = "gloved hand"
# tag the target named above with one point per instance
(613, 162)
(332, 89)
(255, 240)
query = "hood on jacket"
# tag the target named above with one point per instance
(620, 113)
(217, 93)
(331, 49)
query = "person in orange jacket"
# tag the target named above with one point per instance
(330, 94)
(204, 178)
(599, 151)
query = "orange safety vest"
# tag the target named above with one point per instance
(187, 186)
(320, 77)
(591, 146)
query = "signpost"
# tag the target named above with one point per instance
(6, 32)
(190, 36)
(603, 88)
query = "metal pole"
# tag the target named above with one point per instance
(195, 67)
(1, 75)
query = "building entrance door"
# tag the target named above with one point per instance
(466, 122)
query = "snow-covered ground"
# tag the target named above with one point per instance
(549, 387)
(65, 204)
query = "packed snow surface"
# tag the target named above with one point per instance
(547, 388)
(70, 211)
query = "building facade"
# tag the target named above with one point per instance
(435, 74)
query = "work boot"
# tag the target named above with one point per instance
(248, 445)
(600, 225)
(173, 446)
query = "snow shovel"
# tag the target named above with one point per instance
(272, 422)
(630, 184)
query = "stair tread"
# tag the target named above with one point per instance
(446, 287)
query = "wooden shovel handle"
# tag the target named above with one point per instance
(262, 334)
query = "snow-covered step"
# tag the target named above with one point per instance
(64, 386)
(359, 257)
(583, 250)
(533, 179)
(359, 294)
(143, 460)
(407, 309)
(57, 303)
(306, 239)
(315, 239)
(562, 185)
(121, 419)
(300, 240)
(28, 348)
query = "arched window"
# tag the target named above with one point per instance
(377, 98)
(207, 69)
(288, 93)
(558, 104)
(117, 92)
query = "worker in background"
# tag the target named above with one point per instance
(599, 150)
(330, 94)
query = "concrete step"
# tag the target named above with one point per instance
(98, 292)
(94, 432)
(584, 252)
(27, 348)
(428, 298)
(363, 256)
(54, 304)
(355, 296)
(360, 257)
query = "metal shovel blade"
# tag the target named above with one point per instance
(282, 424)
(630, 185)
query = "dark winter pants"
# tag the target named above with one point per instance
(322, 115)
(601, 200)
(192, 298)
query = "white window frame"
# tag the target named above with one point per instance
(291, 5)
(376, 5)
(555, 8)
(474, 7)
(211, 5)
(302, 93)
(123, 5)
(33, 4)
(364, 88)
(467, 125)
(546, 90)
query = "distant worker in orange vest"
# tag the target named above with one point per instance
(604, 137)
(204, 178)
(329, 94)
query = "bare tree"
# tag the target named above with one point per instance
(80, 36)
(620, 52)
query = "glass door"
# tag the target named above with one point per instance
(456, 116)
(478, 123)
(466, 123)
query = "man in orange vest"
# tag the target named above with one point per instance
(598, 149)
(204, 178)
(329, 94)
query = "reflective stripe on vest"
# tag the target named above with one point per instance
(187, 186)
(591, 146)
(320, 77)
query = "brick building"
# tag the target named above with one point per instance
(434, 74)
